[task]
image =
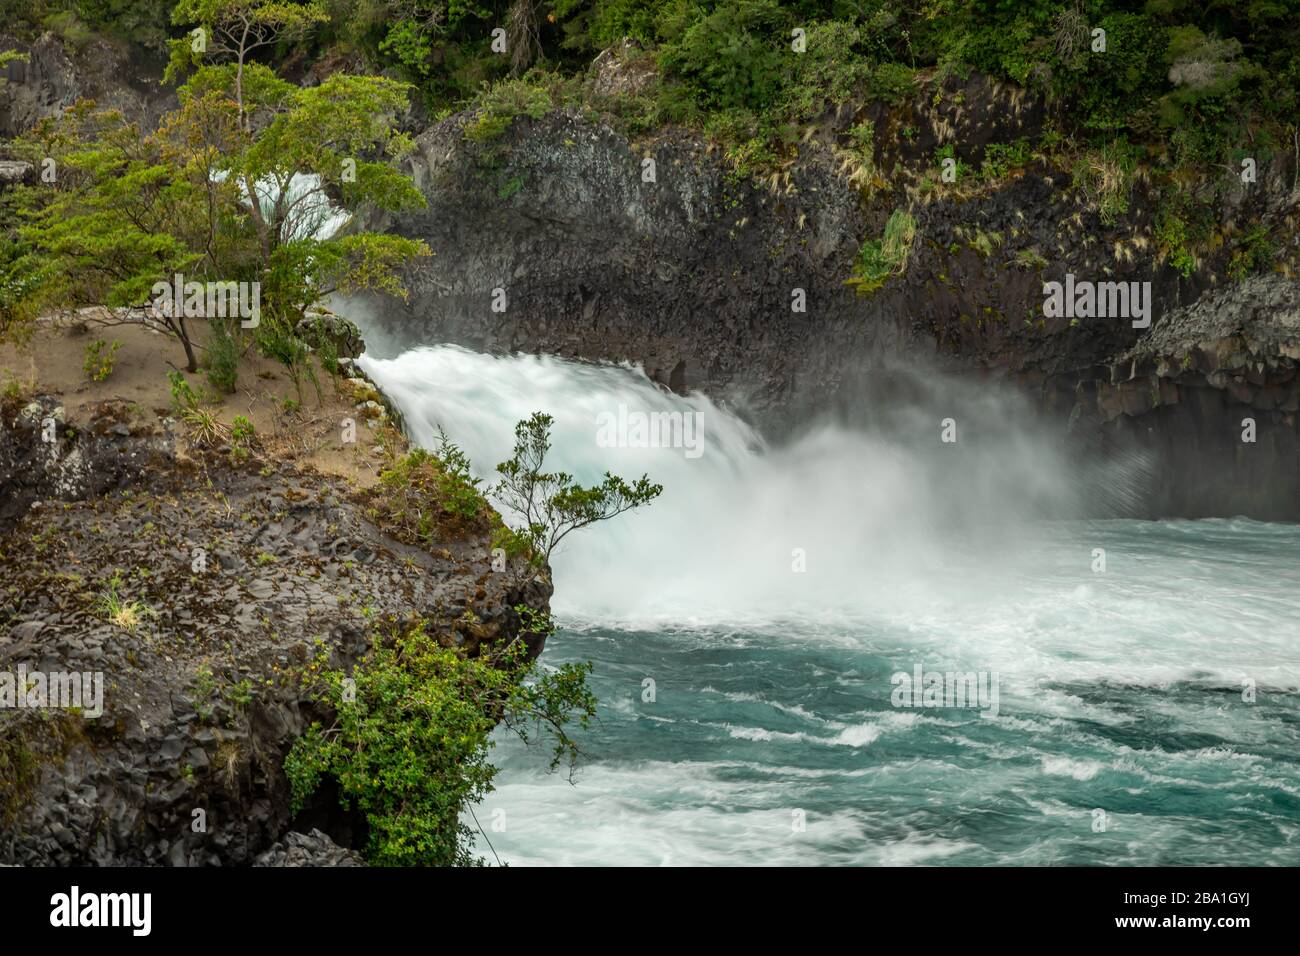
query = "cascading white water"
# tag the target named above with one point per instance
(311, 215)
(869, 514)
(772, 591)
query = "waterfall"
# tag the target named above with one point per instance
(748, 629)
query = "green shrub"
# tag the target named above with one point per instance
(510, 187)
(735, 56)
(407, 740)
(222, 358)
(204, 429)
(100, 358)
(515, 544)
(878, 259)
(892, 83)
(1106, 177)
(1171, 241)
(500, 104)
(1254, 253)
(833, 69)
(69, 28)
(184, 398)
(961, 168)
(1001, 158)
(425, 498)
(1031, 258)
(242, 438)
(1183, 228)
(986, 242)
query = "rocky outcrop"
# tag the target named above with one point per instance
(308, 849)
(327, 330)
(54, 76)
(196, 591)
(622, 70)
(43, 457)
(1215, 382)
(566, 237)
(15, 172)
(43, 85)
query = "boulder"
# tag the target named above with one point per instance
(308, 849)
(318, 328)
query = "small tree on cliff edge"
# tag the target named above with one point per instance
(553, 504)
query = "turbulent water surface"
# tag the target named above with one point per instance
(745, 629)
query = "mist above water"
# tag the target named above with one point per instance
(774, 588)
(841, 516)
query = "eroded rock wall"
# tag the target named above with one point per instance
(694, 275)
(233, 579)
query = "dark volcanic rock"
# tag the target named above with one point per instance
(1212, 373)
(42, 456)
(308, 849)
(693, 275)
(198, 591)
(113, 73)
(44, 85)
(318, 328)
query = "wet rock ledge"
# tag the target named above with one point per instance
(235, 574)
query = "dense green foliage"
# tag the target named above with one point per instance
(1181, 87)
(1196, 73)
(131, 208)
(409, 738)
(1181, 91)
(142, 22)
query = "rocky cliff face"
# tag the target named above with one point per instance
(695, 275)
(55, 75)
(198, 591)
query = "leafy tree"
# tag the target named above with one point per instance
(113, 224)
(410, 751)
(553, 504)
(217, 197)
(237, 29)
(314, 144)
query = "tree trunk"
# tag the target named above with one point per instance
(191, 362)
(523, 34)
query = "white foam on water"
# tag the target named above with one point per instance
(915, 553)
(974, 583)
